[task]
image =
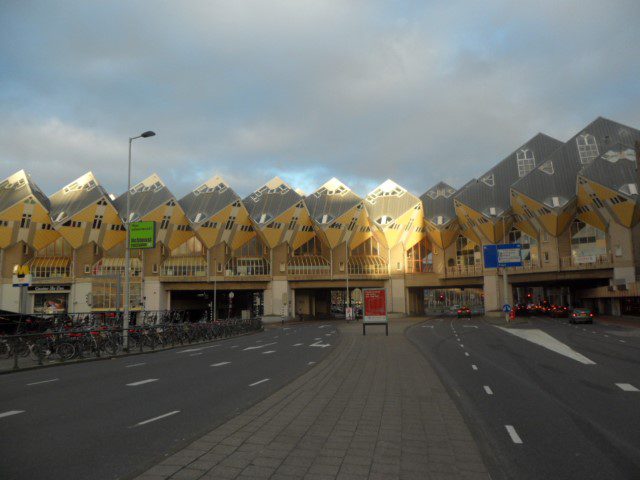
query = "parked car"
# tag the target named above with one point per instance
(453, 310)
(521, 310)
(464, 312)
(581, 315)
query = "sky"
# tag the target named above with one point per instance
(362, 90)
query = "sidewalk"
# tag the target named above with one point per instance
(374, 408)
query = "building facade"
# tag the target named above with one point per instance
(573, 207)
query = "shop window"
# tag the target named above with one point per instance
(529, 244)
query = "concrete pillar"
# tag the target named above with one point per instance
(492, 288)
(153, 295)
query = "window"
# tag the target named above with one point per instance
(293, 222)
(230, 223)
(312, 247)
(529, 245)
(368, 247)
(526, 161)
(547, 167)
(420, 257)
(352, 224)
(467, 252)
(587, 148)
(596, 201)
(384, 220)
(587, 242)
(191, 247)
(97, 222)
(164, 224)
(26, 220)
(488, 180)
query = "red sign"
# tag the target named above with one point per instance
(375, 305)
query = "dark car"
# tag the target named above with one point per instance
(521, 310)
(581, 315)
(464, 312)
(558, 311)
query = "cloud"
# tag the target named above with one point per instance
(364, 91)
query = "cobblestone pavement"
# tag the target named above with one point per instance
(374, 408)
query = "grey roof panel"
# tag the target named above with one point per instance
(438, 202)
(555, 175)
(75, 197)
(207, 200)
(146, 196)
(492, 189)
(389, 200)
(270, 201)
(615, 169)
(331, 201)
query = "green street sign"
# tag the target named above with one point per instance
(142, 235)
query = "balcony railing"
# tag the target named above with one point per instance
(50, 268)
(247, 267)
(586, 262)
(415, 267)
(308, 265)
(464, 271)
(184, 267)
(370, 265)
(116, 266)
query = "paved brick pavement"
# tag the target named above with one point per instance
(374, 408)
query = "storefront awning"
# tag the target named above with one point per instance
(106, 266)
(308, 261)
(49, 262)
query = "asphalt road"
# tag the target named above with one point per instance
(115, 418)
(537, 413)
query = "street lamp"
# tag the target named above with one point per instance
(127, 255)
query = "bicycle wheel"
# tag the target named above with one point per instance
(66, 350)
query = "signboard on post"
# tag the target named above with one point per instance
(374, 308)
(502, 256)
(142, 235)
(21, 276)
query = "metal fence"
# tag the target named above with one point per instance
(64, 342)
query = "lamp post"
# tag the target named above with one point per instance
(127, 255)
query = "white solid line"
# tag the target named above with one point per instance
(158, 418)
(513, 434)
(259, 382)
(475, 367)
(43, 381)
(466, 354)
(627, 387)
(10, 412)
(219, 364)
(135, 365)
(268, 351)
(298, 344)
(259, 346)
(142, 382)
(488, 390)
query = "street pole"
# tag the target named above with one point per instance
(346, 269)
(127, 253)
(505, 279)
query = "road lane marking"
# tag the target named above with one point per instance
(142, 382)
(627, 387)
(427, 326)
(547, 341)
(622, 341)
(189, 350)
(259, 346)
(43, 381)
(466, 354)
(470, 326)
(515, 438)
(268, 351)
(195, 354)
(323, 326)
(461, 345)
(298, 344)
(135, 365)
(475, 367)
(219, 364)
(159, 417)
(259, 382)
(488, 390)
(311, 363)
(10, 413)
(321, 345)
(234, 346)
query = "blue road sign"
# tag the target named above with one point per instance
(506, 308)
(501, 256)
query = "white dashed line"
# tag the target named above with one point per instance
(298, 344)
(461, 345)
(466, 354)
(268, 352)
(43, 381)
(259, 382)
(622, 341)
(475, 367)
(219, 364)
(488, 390)
(515, 438)
(195, 354)
(259, 346)
(311, 363)
(627, 387)
(10, 413)
(158, 417)
(234, 346)
(142, 382)
(135, 365)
